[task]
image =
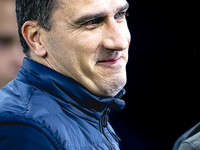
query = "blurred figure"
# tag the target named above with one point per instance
(11, 55)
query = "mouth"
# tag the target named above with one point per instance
(111, 60)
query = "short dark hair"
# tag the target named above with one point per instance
(34, 10)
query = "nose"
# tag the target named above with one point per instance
(117, 36)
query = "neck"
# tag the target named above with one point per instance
(43, 60)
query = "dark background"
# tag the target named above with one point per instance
(163, 75)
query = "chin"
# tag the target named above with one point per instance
(106, 85)
(114, 86)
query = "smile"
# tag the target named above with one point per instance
(111, 61)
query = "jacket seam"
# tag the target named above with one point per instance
(35, 124)
(27, 103)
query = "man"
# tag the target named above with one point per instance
(74, 74)
(11, 56)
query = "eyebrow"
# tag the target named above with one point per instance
(89, 17)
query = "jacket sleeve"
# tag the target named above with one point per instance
(192, 143)
(183, 137)
(187, 146)
(26, 137)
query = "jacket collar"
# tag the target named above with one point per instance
(69, 94)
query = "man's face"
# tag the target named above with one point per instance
(11, 55)
(89, 42)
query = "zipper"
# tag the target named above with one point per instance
(122, 94)
(104, 123)
(117, 139)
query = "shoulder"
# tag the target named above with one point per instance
(19, 99)
(185, 136)
(20, 102)
(23, 136)
(192, 143)
(14, 99)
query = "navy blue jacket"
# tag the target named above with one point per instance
(42, 109)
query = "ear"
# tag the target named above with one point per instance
(31, 34)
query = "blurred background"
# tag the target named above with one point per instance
(163, 74)
(163, 71)
(11, 55)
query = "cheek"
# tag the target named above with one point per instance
(86, 59)
(87, 49)
(77, 50)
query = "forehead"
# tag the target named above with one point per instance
(85, 3)
(73, 8)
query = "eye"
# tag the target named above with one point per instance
(121, 15)
(92, 24)
(94, 21)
